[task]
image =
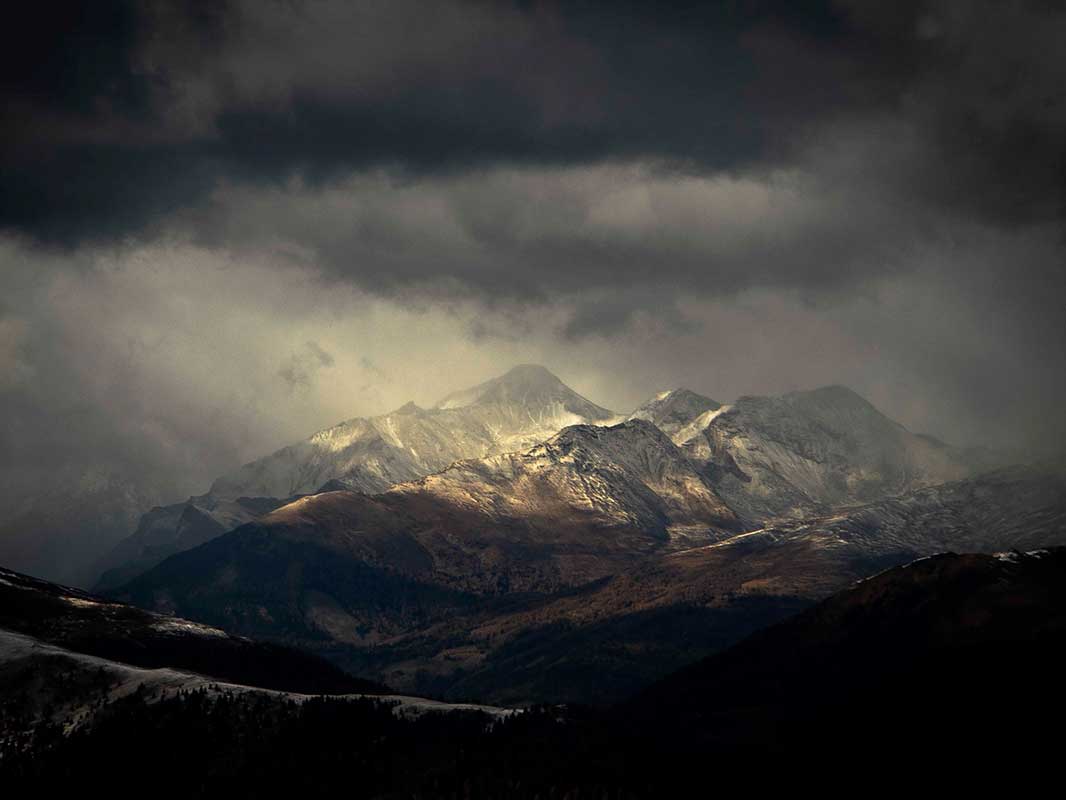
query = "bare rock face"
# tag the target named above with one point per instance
(628, 475)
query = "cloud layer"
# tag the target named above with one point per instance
(118, 111)
(225, 225)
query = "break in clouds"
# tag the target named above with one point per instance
(227, 225)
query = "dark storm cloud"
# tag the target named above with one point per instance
(119, 112)
(224, 225)
(612, 157)
(84, 153)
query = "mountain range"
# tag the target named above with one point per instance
(798, 454)
(807, 452)
(506, 414)
(599, 559)
(755, 580)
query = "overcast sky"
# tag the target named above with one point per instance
(226, 225)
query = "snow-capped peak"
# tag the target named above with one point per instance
(528, 386)
(674, 409)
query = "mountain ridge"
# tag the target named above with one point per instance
(464, 589)
(370, 454)
(796, 455)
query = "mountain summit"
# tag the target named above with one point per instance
(807, 452)
(673, 410)
(528, 386)
(511, 412)
(800, 453)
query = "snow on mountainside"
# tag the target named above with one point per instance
(66, 656)
(437, 586)
(84, 623)
(509, 413)
(627, 475)
(1015, 508)
(359, 569)
(48, 672)
(806, 452)
(512, 412)
(666, 609)
(764, 458)
(533, 388)
(562, 513)
(673, 410)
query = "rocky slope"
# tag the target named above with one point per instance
(166, 530)
(603, 640)
(804, 452)
(561, 574)
(797, 455)
(509, 413)
(606, 555)
(354, 568)
(675, 410)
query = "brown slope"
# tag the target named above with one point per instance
(346, 569)
(512, 412)
(566, 512)
(663, 613)
(432, 596)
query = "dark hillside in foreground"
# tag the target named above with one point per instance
(945, 673)
(82, 623)
(960, 654)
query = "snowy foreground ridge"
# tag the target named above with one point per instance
(165, 682)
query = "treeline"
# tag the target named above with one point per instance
(204, 744)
